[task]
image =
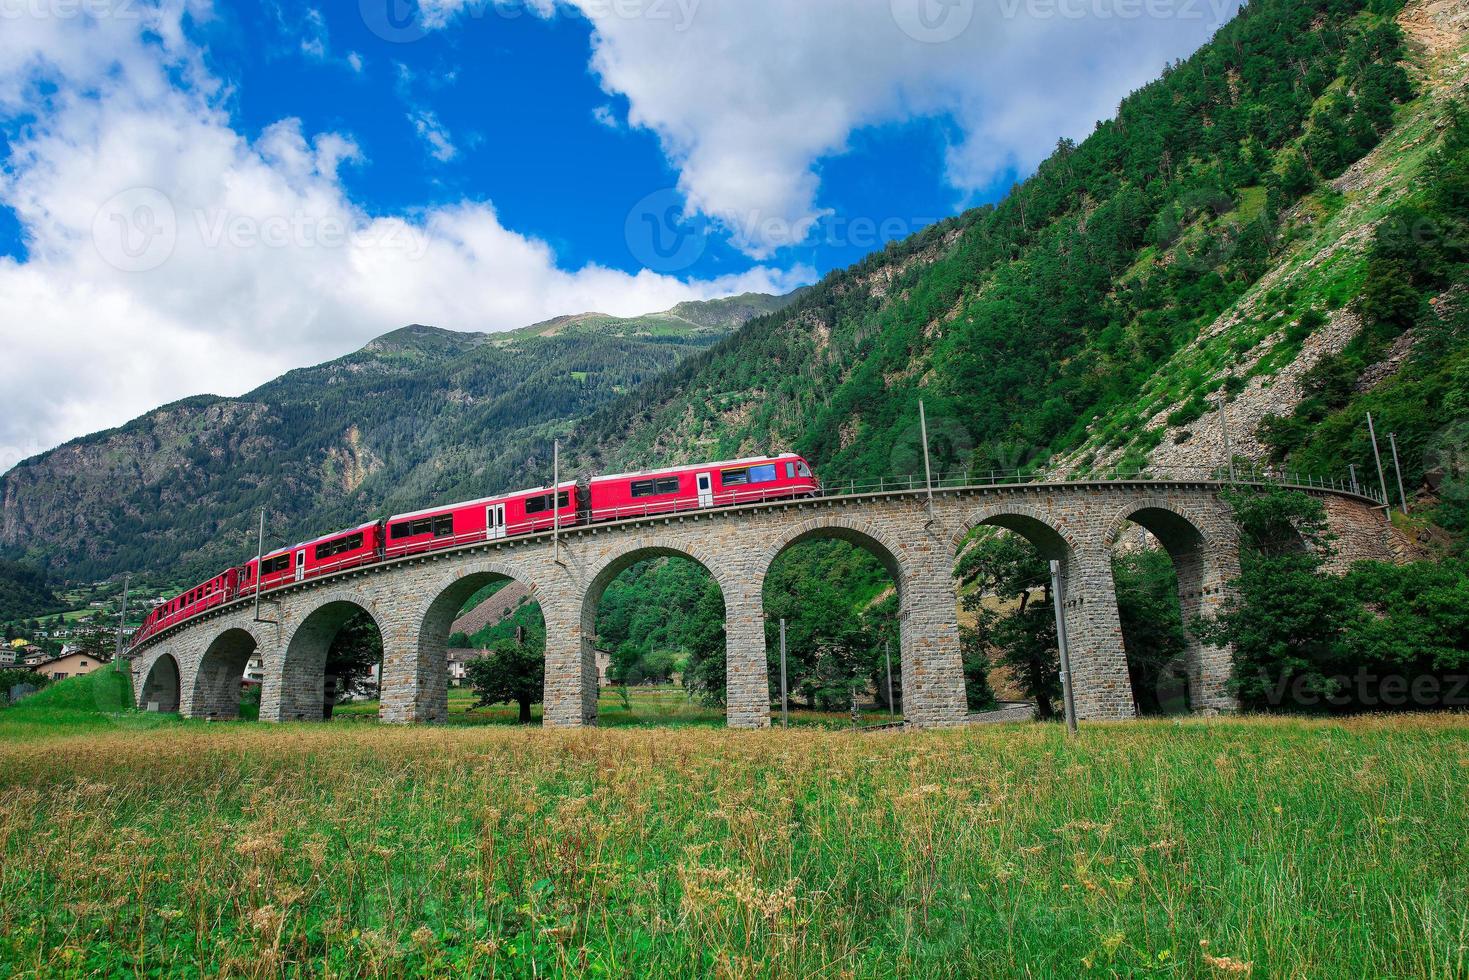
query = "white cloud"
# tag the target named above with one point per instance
(432, 132)
(355, 62)
(169, 255)
(747, 96)
(314, 41)
(606, 116)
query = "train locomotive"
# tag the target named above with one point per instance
(621, 496)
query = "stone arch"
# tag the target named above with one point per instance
(638, 550)
(1051, 537)
(216, 689)
(1100, 682)
(415, 688)
(1203, 564)
(643, 548)
(867, 536)
(1179, 529)
(161, 685)
(932, 677)
(295, 686)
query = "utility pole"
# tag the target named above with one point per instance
(259, 567)
(1352, 469)
(785, 707)
(1224, 427)
(888, 656)
(122, 617)
(1397, 467)
(1381, 479)
(556, 500)
(1068, 701)
(927, 467)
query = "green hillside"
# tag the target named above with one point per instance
(1191, 248)
(418, 416)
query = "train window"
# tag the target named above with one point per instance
(735, 478)
(441, 526)
(790, 471)
(277, 564)
(763, 474)
(330, 549)
(656, 487)
(541, 504)
(803, 470)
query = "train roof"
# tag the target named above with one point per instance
(680, 467)
(443, 508)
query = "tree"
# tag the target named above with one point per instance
(1007, 568)
(1152, 627)
(10, 677)
(512, 674)
(355, 651)
(705, 674)
(1284, 617)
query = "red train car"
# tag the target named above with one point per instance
(215, 592)
(342, 550)
(487, 519)
(606, 498)
(737, 481)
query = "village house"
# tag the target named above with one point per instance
(70, 665)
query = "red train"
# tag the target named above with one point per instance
(604, 498)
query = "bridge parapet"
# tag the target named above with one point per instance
(413, 600)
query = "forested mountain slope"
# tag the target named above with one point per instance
(1192, 247)
(417, 416)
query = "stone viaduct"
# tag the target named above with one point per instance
(196, 667)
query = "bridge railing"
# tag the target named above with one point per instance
(949, 480)
(952, 479)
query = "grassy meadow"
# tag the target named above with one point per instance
(156, 847)
(647, 706)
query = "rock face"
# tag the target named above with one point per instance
(417, 416)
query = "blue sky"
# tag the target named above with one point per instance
(517, 101)
(197, 195)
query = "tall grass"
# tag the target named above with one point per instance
(1226, 848)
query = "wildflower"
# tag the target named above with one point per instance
(267, 918)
